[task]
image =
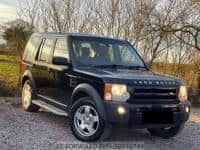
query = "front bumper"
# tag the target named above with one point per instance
(147, 115)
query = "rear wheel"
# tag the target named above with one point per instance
(27, 96)
(85, 121)
(166, 133)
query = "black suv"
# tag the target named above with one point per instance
(100, 83)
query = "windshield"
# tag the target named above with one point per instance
(105, 53)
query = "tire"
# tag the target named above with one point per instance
(83, 117)
(166, 133)
(27, 95)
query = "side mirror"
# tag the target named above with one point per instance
(60, 61)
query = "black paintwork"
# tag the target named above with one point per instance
(64, 83)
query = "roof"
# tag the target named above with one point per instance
(75, 35)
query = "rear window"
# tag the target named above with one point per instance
(31, 47)
(45, 50)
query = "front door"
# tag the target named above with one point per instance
(60, 66)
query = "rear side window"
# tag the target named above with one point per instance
(45, 50)
(31, 47)
(61, 53)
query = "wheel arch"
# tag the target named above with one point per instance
(87, 90)
(28, 76)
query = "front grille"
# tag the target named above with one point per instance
(154, 93)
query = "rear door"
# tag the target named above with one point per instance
(42, 75)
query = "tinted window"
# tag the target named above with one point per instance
(101, 52)
(91, 52)
(31, 46)
(45, 50)
(61, 53)
(127, 56)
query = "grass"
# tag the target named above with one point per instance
(9, 72)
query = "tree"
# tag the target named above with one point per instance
(16, 33)
(156, 28)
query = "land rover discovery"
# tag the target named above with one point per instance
(100, 83)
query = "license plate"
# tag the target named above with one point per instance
(158, 117)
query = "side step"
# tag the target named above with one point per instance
(50, 108)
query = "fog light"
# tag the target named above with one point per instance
(121, 110)
(187, 109)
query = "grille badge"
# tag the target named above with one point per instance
(151, 82)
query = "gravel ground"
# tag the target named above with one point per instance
(43, 130)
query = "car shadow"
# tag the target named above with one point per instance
(116, 134)
(128, 135)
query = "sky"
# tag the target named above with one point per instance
(8, 11)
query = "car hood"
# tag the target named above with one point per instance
(127, 75)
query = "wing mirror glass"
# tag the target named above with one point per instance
(60, 61)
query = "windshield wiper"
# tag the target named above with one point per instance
(115, 66)
(136, 67)
(120, 66)
(110, 66)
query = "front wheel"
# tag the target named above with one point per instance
(85, 121)
(166, 133)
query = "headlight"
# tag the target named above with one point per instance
(116, 92)
(183, 93)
